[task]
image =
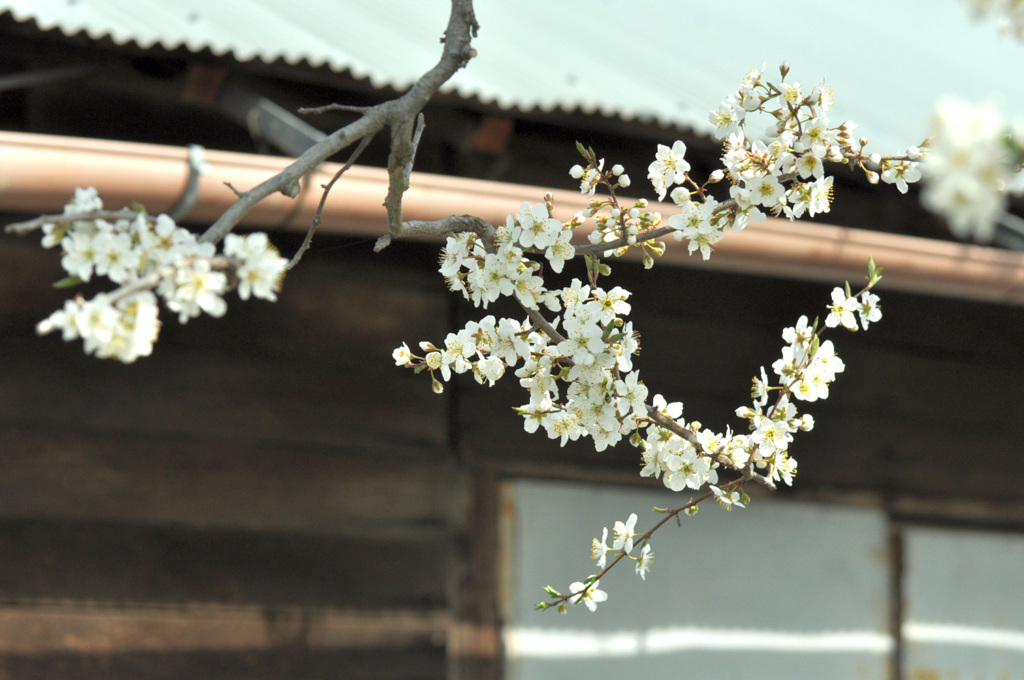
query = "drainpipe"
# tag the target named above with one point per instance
(38, 174)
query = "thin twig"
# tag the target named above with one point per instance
(22, 228)
(646, 537)
(153, 279)
(318, 217)
(543, 324)
(666, 423)
(421, 122)
(314, 110)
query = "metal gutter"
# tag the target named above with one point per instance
(38, 174)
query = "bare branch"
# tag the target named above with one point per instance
(442, 228)
(399, 114)
(287, 181)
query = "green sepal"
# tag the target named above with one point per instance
(874, 273)
(67, 282)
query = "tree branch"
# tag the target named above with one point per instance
(442, 228)
(399, 114)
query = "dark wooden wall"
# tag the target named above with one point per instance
(268, 496)
(264, 497)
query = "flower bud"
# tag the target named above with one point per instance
(617, 170)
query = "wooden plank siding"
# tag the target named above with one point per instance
(268, 496)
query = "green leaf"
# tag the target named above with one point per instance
(67, 282)
(551, 591)
(582, 149)
(139, 208)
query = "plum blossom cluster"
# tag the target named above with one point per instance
(150, 259)
(971, 164)
(688, 456)
(794, 148)
(780, 171)
(484, 271)
(592, 356)
(1010, 14)
(578, 368)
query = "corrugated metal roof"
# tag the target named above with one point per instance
(664, 61)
